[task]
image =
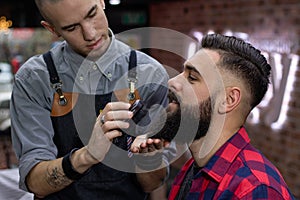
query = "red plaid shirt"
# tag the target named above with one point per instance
(236, 171)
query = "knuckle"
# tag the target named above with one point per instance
(109, 105)
(109, 116)
(104, 128)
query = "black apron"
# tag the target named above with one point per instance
(102, 182)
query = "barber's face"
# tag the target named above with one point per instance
(191, 102)
(82, 24)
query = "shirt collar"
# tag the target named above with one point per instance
(220, 163)
(79, 64)
(114, 51)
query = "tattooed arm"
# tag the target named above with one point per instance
(48, 176)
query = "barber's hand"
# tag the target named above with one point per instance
(142, 144)
(148, 152)
(107, 127)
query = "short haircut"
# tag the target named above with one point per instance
(41, 3)
(242, 60)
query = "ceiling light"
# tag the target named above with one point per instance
(114, 2)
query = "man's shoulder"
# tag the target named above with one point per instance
(142, 57)
(255, 172)
(259, 165)
(34, 65)
(146, 59)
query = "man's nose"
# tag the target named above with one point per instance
(88, 32)
(175, 83)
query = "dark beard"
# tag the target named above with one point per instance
(170, 128)
(185, 125)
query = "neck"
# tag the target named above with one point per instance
(203, 150)
(218, 134)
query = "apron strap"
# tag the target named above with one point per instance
(132, 65)
(56, 83)
(51, 68)
(132, 78)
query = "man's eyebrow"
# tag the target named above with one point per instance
(87, 15)
(91, 11)
(191, 68)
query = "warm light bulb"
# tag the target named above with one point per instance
(5, 24)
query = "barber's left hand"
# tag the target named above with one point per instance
(142, 144)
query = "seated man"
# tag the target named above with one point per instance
(211, 100)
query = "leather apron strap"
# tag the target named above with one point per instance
(64, 102)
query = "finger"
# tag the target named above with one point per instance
(113, 134)
(118, 115)
(114, 125)
(151, 147)
(116, 106)
(138, 141)
(143, 148)
(166, 143)
(148, 146)
(134, 149)
(158, 144)
(149, 141)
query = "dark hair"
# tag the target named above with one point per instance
(40, 4)
(242, 60)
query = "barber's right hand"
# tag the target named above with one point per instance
(107, 127)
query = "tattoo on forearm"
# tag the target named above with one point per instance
(56, 178)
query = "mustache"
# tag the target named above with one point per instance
(173, 97)
(187, 123)
(165, 129)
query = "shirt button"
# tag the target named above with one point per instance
(109, 75)
(81, 78)
(95, 67)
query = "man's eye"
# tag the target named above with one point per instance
(70, 29)
(192, 78)
(93, 14)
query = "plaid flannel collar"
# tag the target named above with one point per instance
(220, 163)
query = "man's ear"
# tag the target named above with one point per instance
(49, 27)
(231, 101)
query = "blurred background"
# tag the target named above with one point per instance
(270, 25)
